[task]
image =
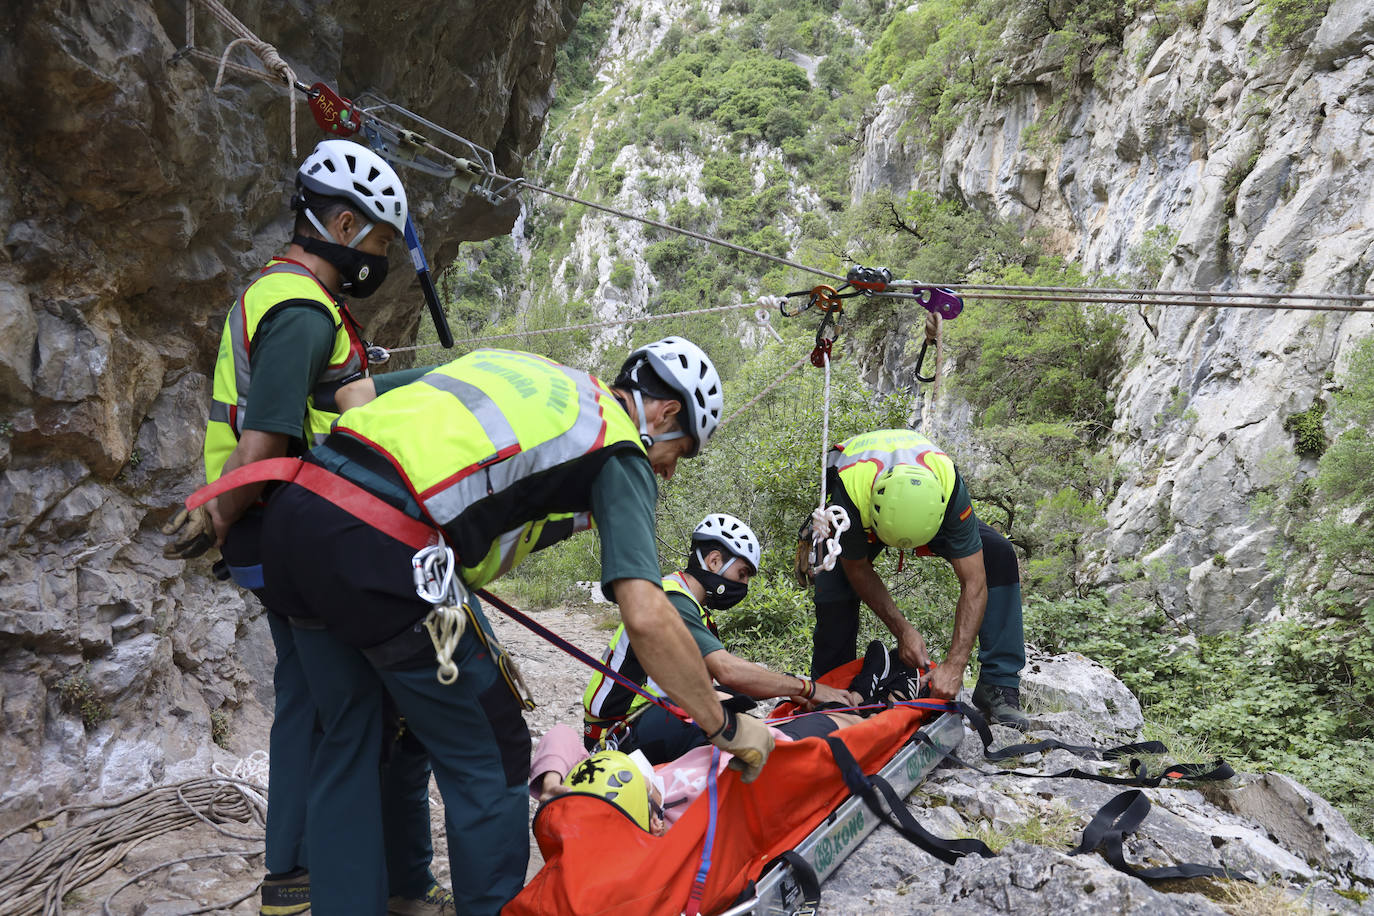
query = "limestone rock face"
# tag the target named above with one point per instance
(137, 201)
(1261, 166)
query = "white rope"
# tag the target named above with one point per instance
(278, 70)
(762, 318)
(763, 302)
(249, 774)
(446, 625)
(827, 522)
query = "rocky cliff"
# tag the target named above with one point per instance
(136, 201)
(1258, 166)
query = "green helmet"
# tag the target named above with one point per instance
(908, 506)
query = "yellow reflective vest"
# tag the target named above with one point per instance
(605, 700)
(859, 460)
(500, 448)
(281, 282)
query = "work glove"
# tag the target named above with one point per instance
(193, 532)
(748, 739)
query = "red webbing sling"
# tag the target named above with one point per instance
(343, 493)
(372, 510)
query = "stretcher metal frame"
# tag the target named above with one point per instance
(777, 893)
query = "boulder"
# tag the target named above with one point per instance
(1076, 684)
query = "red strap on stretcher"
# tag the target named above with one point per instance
(343, 493)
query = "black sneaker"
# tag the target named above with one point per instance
(876, 669)
(286, 894)
(904, 684)
(1001, 705)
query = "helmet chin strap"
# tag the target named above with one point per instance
(315, 221)
(644, 435)
(720, 572)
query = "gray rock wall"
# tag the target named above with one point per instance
(1262, 165)
(137, 202)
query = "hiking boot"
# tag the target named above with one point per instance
(876, 668)
(285, 894)
(436, 902)
(1001, 705)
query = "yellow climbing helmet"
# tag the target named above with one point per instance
(612, 775)
(908, 506)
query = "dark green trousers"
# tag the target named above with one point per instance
(1001, 638)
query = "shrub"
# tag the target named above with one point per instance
(622, 275)
(1309, 433)
(76, 694)
(1290, 20)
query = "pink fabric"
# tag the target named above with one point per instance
(559, 751)
(683, 779)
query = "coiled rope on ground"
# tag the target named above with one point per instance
(100, 835)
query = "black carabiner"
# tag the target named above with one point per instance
(920, 361)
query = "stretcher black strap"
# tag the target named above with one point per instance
(1122, 815)
(980, 725)
(895, 813)
(1140, 777)
(803, 875)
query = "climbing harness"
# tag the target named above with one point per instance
(437, 583)
(452, 611)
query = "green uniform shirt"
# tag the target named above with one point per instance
(707, 642)
(624, 496)
(290, 352)
(386, 381)
(957, 538)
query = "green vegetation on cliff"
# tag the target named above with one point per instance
(745, 126)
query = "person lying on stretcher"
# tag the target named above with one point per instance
(654, 797)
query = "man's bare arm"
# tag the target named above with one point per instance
(968, 618)
(667, 650)
(866, 581)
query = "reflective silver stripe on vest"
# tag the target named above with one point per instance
(243, 370)
(614, 657)
(449, 503)
(483, 408)
(221, 412)
(508, 543)
(885, 458)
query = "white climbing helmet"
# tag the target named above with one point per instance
(684, 367)
(342, 168)
(730, 533)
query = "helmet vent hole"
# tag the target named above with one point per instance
(352, 163)
(372, 174)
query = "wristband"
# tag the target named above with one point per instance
(808, 687)
(727, 726)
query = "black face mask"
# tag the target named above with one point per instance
(360, 273)
(721, 593)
